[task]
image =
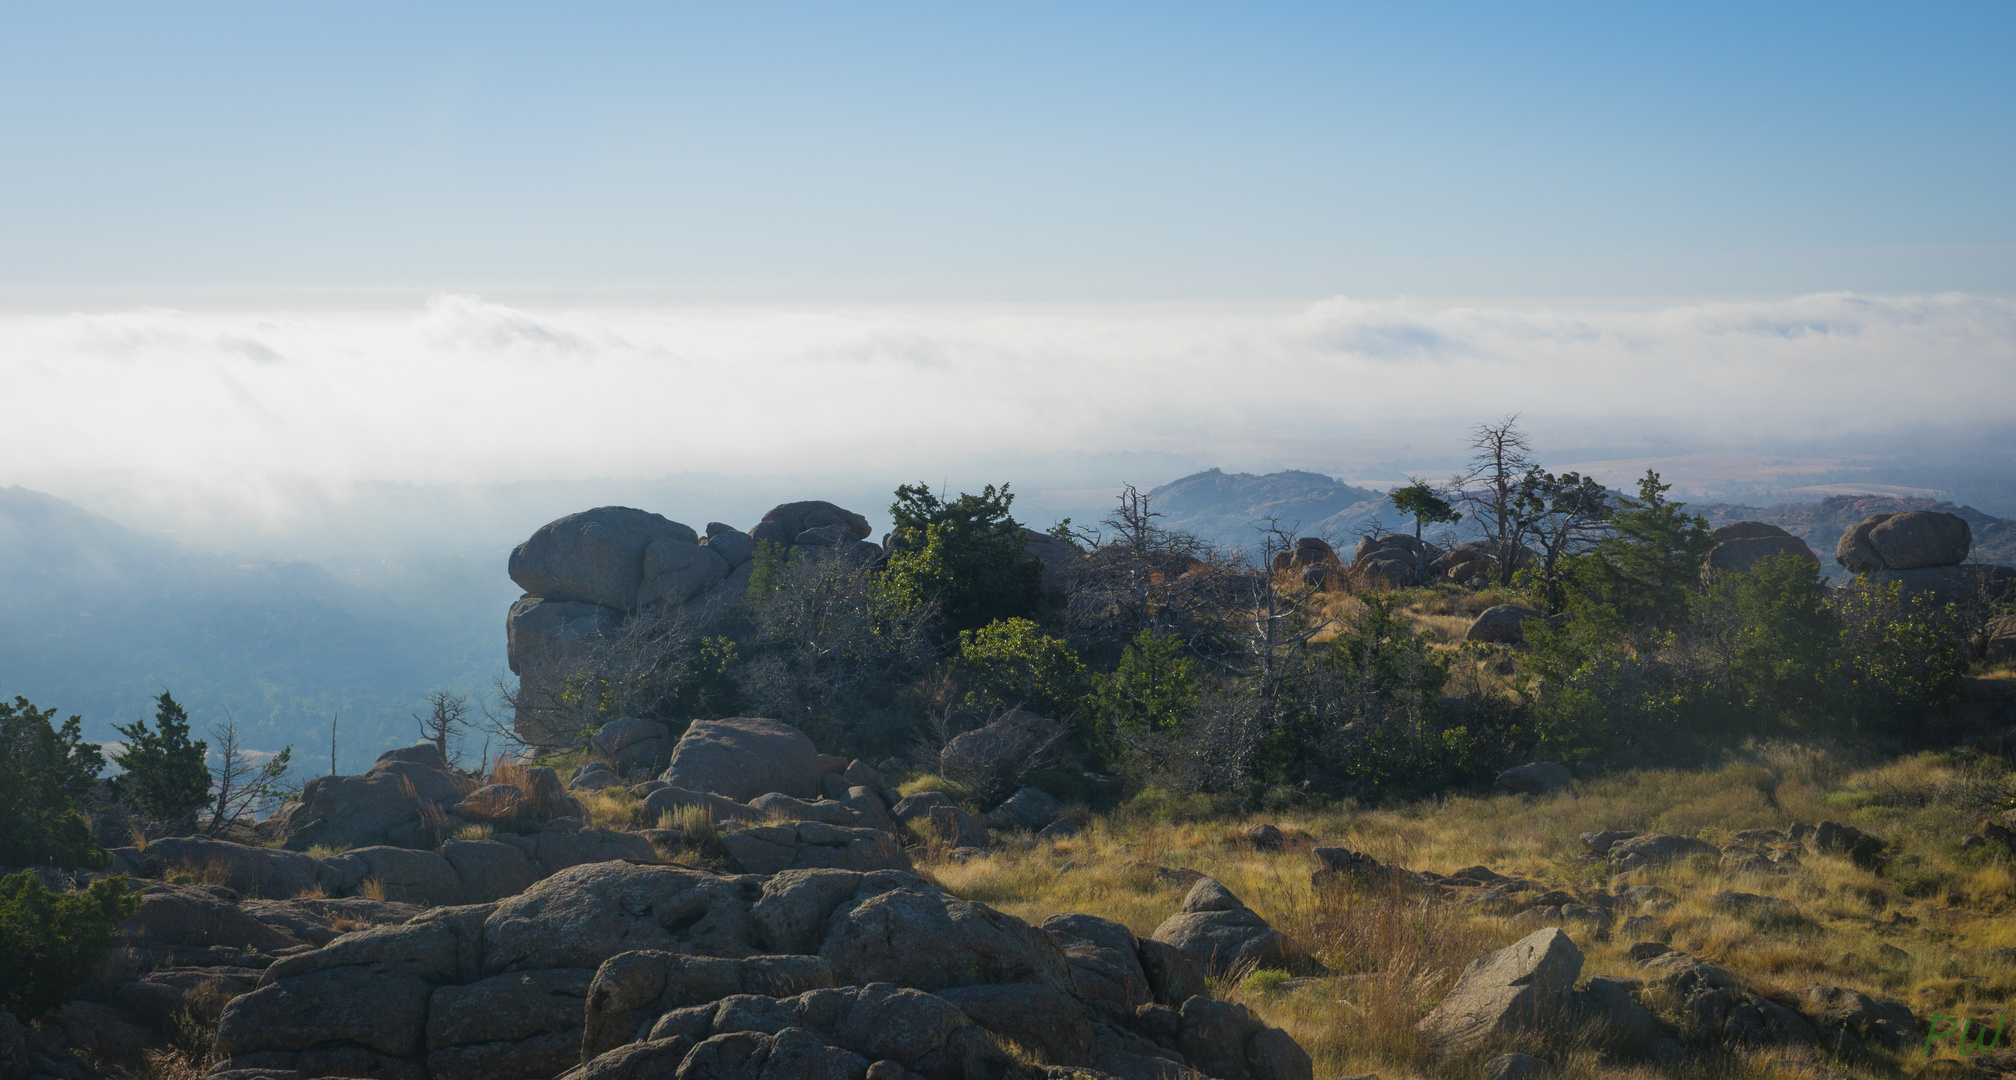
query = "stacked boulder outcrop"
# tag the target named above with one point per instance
(585, 574)
(1398, 561)
(1925, 551)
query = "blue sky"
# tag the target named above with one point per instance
(202, 154)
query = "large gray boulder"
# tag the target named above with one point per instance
(811, 845)
(1518, 990)
(1740, 553)
(553, 852)
(490, 870)
(635, 989)
(918, 936)
(676, 571)
(934, 813)
(1536, 778)
(991, 758)
(586, 914)
(407, 876)
(247, 871)
(539, 632)
(1504, 624)
(180, 916)
(1029, 808)
(515, 1026)
(1218, 932)
(784, 524)
(383, 1009)
(594, 557)
(1051, 1022)
(633, 743)
(1906, 540)
(382, 806)
(1105, 961)
(742, 757)
(734, 547)
(1651, 848)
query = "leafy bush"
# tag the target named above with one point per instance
(53, 941)
(951, 789)
(1902, 654)
(46, 773)
(968, 554)
(1013, 664)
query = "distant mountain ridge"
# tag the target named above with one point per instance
(1232, 509)
(95, 618)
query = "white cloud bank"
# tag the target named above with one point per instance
(471, 390)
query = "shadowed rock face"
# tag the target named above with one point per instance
(382, 806)
(593, 557)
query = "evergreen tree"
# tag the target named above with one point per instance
(166, 777)
(1424, 504)
(968, 553)
(1649, 568)
(46, 773)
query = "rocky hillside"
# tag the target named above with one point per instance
(1229, 508)
(501, 927)
(1637, 925)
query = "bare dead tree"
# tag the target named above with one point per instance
(447, 718)
(831, 651)
(1138, 575)
(239, 783)
(1489, 485)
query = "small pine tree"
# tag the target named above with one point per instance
(166, 777)
(1154, 688)
(1424, 504)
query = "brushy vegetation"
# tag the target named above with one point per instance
(1390, 955)
(52, 941)
(1246, 678)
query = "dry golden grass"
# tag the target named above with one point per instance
(609, 808)
(1392, 955)
(208, 872)
(372, 889)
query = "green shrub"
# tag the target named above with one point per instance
(1013, 664)
(966, 553)
(46, 773)
(52, 942)
(951, 789)
(1154, 688)
(1265, 983)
